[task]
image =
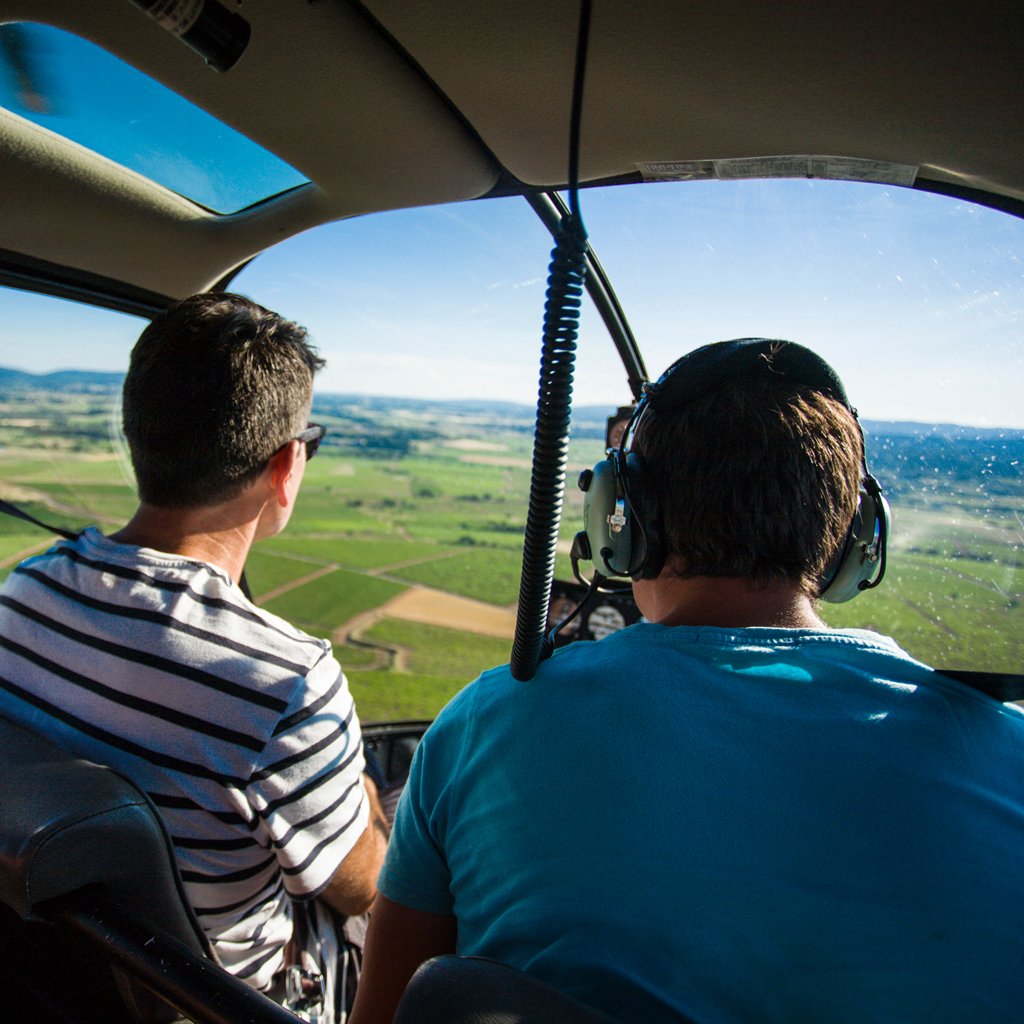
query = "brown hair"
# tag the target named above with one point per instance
(215, 386)
(755, 478)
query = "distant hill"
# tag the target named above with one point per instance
(946, 431)
(59, 380)
(466, 406)
(588, 420)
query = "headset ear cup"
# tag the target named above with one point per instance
(605, 520)
(862, 556)
(648, 555)
(619, 528)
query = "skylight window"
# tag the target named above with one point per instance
(81, 92)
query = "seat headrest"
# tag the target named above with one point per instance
(475, 990)
(66, 823)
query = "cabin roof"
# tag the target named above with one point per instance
(390, 104)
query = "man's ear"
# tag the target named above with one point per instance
(280, 467)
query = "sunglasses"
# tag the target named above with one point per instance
(311, 438)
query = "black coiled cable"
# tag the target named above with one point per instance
(566, 278)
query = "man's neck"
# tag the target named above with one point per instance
(725, 602)
(210, 534)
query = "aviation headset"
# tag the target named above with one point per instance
(620, 533)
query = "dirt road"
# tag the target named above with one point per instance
(435, 608)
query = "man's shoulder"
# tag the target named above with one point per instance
(95, 575)
(498, 685)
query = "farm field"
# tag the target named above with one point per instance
(408, 558)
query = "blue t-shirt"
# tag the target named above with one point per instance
(731, 825)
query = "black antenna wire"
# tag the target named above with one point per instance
(576, 116)
(551, 640)
(566, 279)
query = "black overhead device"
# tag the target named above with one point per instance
(217, 34)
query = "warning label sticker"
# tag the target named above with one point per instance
(834, 168)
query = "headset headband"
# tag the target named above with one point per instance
(620, 532)
(698, 371)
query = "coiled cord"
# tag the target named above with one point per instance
(566, 278)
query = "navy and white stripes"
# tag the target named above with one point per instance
(240, 727)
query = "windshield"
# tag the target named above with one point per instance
(916, 300)
(406, 545)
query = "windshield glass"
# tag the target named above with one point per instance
(406, 545)
(916, 300)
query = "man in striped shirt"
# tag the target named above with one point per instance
(140, 651)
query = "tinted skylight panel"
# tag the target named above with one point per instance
(76, 89)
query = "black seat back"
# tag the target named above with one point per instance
(69, 827)
(66, 824)
(474, 990)
(95, 927)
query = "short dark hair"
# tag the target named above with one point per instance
(215, 386)
(755, 478)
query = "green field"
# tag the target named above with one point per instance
(436, 664)
(447, 514)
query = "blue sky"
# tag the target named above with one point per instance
(917, 300)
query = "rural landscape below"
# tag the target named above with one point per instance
(405, 548)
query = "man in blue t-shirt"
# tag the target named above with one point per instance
(728, 812)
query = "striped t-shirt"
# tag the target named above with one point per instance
(239, 726)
